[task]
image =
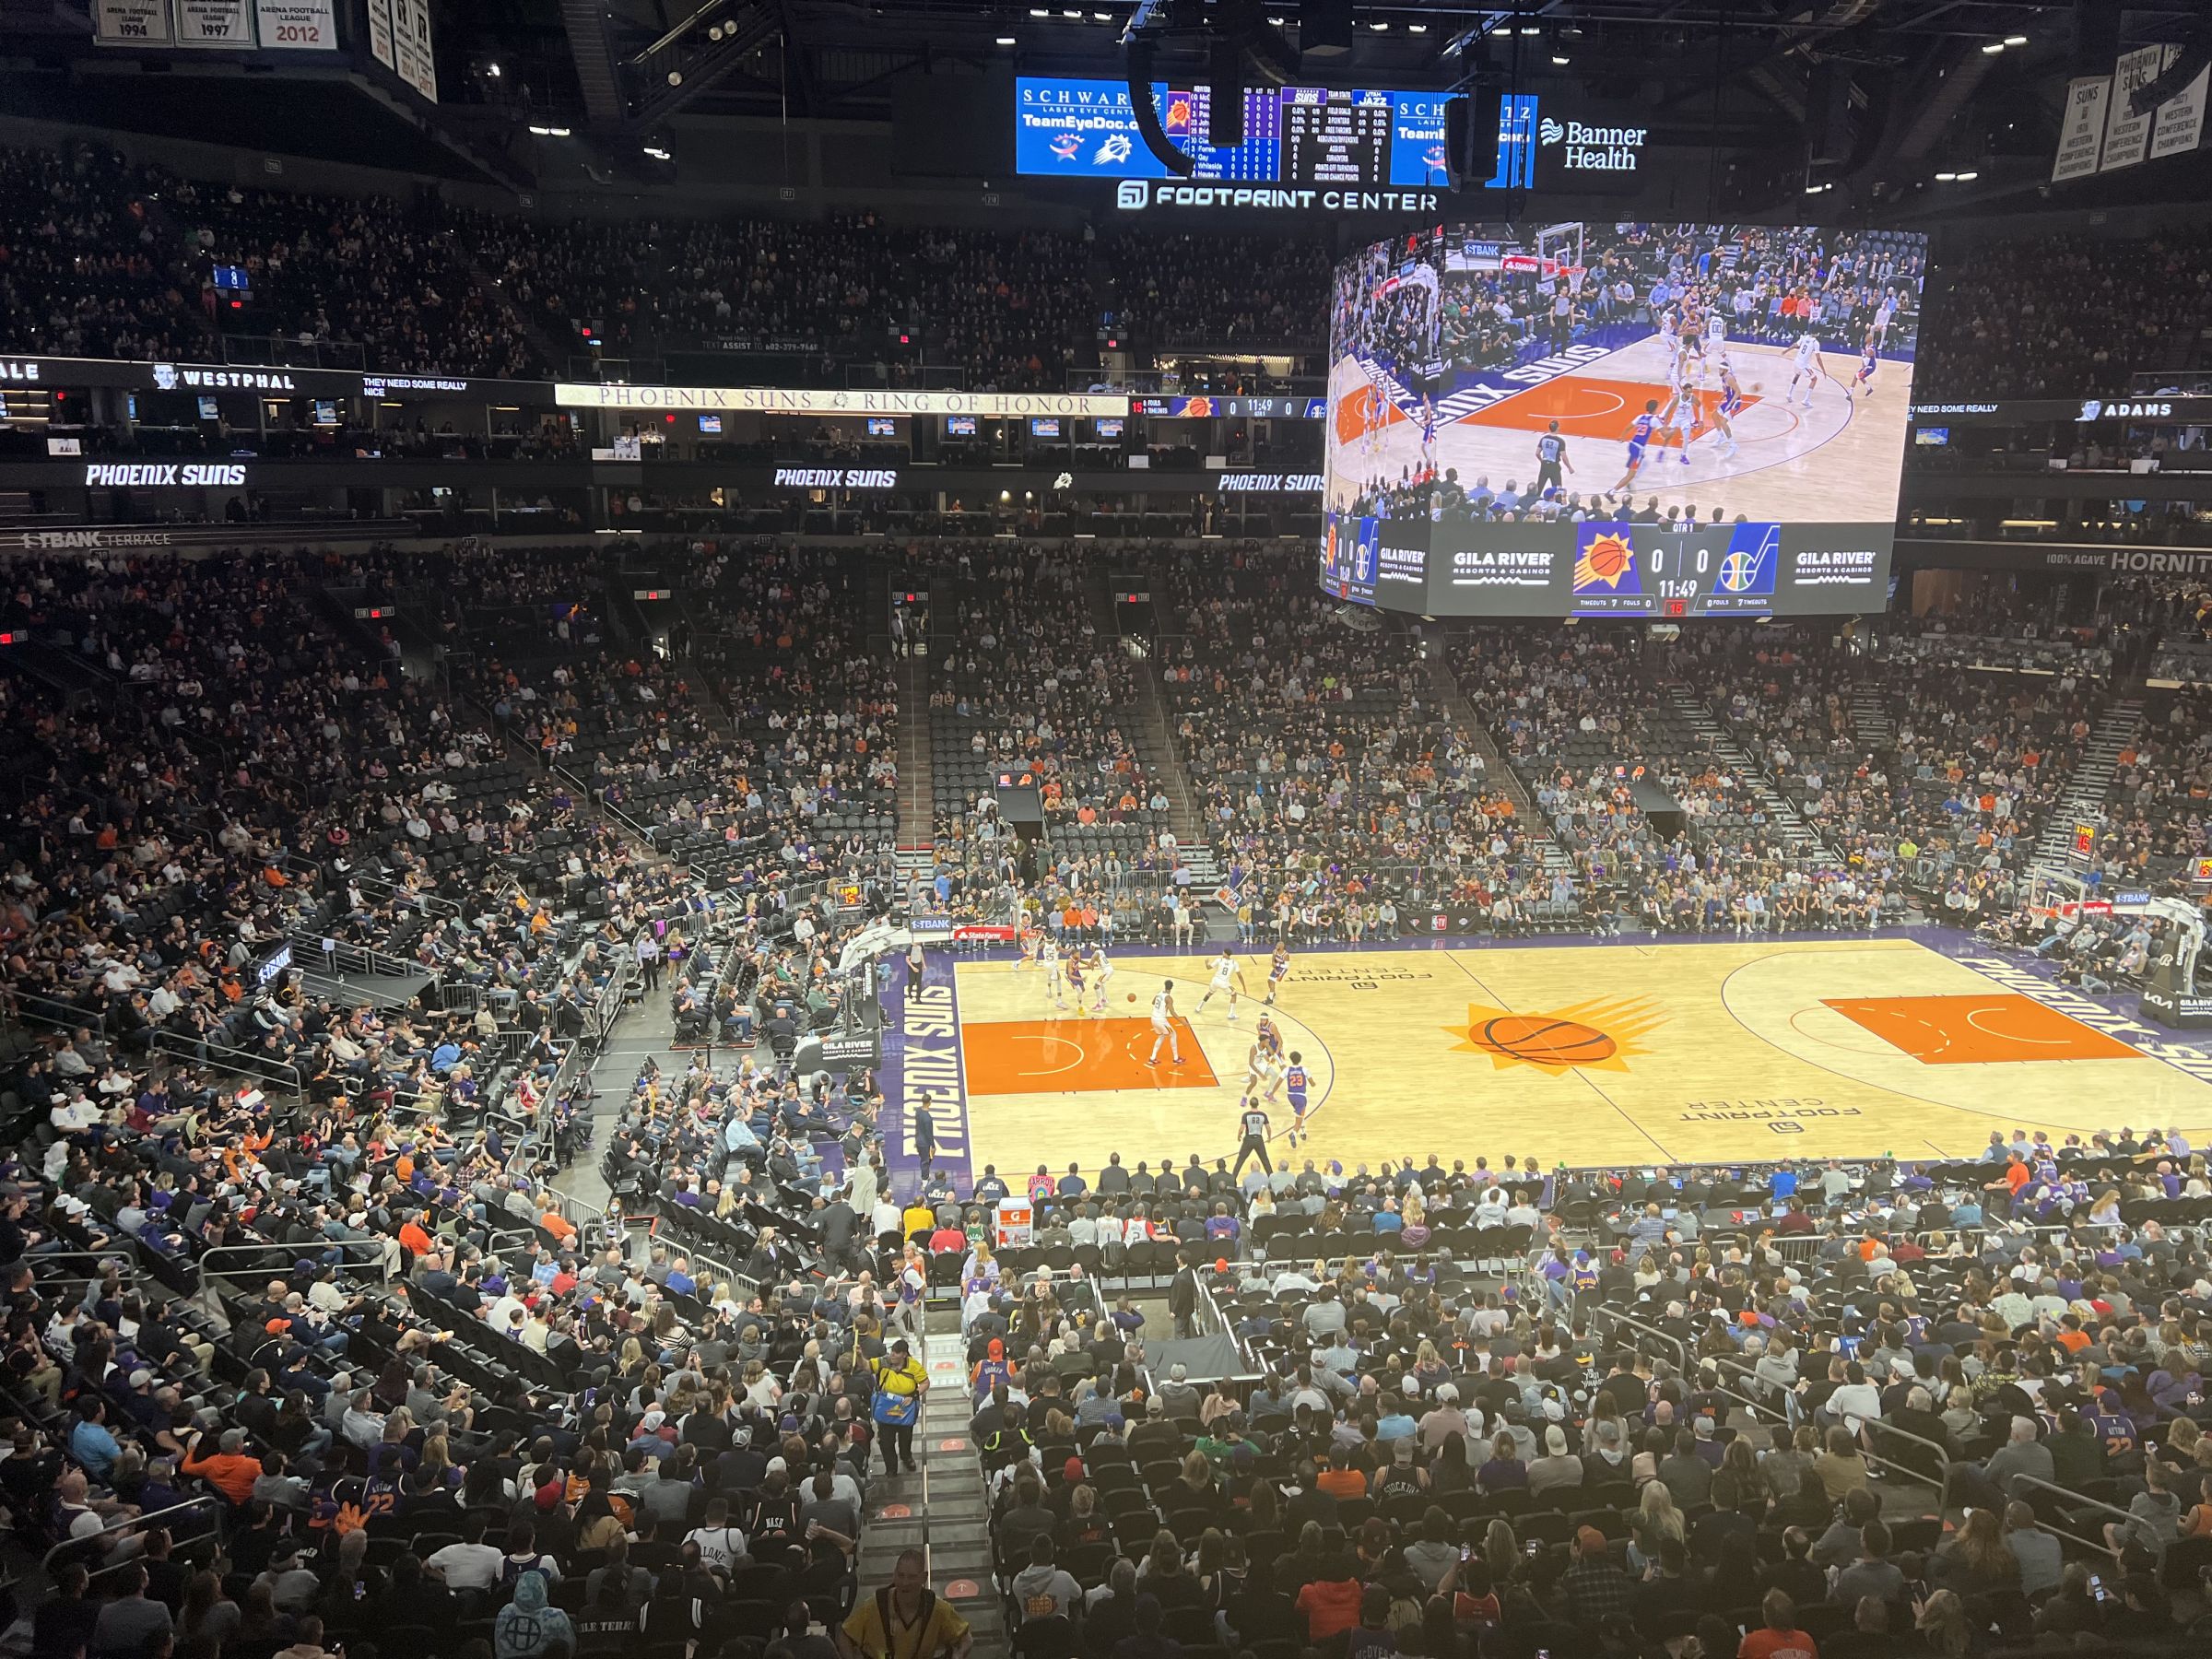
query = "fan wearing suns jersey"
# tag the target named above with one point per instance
(1641, 431)
(1163, 1024)
(1252, 1124)
(1229, 976)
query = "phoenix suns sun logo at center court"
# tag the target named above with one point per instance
(1598, 1036)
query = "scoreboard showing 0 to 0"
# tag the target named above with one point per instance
(1630, 569)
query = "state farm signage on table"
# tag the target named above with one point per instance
(768, 400)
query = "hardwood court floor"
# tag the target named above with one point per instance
(1837, 459)
(1611, 1055)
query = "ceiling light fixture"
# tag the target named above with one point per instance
(1561, 58)
(1965, 177)
(1946, 178)
(1006, 40)
(1992, 49)
(2015, 40)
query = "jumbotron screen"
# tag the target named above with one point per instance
(1620, 419)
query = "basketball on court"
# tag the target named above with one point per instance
(1132, 996)
(1546, 1041)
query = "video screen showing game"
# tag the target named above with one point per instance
(1624, 420)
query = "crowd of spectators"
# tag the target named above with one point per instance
(82, 269)
(1251, 293)
(1599, 747)
(2066, 316)
(1943, 1409)
(1007, 308)
(1332, 785)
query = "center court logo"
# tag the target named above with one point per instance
(1596, 1036)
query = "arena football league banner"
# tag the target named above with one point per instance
(132, 23)
(297, 25)
(217, 25)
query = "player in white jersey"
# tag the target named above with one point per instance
(1229, 976)
(1805, 365)
(1680, 415)
(1102, 971)
(1670, 339)
(1163, 1024)
(1263, 1074)
(1048, 958)
(1716, 344)
(1884, 315)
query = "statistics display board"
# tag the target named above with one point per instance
(1297, 135)
(1619, 420)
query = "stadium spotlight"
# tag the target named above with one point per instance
(1966, 177)
(1006, 40)
(1380, 26)
(1560, 60)
(1946, 178)
(675, 77)
(1417, 29)
(2015, 40)
(492, 70)
(1993, 48)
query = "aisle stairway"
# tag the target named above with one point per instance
(2082, 800)
(1804, 844)
(949, 1510)
(1872, 723)
(1501, 777)
(917, 815)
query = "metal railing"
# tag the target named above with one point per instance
(345, 957)
(285, 1256)
(2076, 1500)
(102, 1540)
(237, 1062)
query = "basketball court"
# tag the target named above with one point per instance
(1593, 1054)
(1837, 459)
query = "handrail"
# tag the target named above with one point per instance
(237, 1062)
(1759, 1409)
(1681, 1349)
(2076, 1497)
(52, 1011)
(123, 1524)
(291, 1252)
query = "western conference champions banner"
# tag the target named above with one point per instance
(2100, 132)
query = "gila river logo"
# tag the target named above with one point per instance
(1596, 1036)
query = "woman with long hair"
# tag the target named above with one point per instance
(1978, 1561)
(1160, 1573)
(1943, 1626)
(1655, 1520)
